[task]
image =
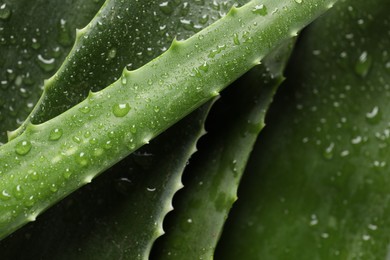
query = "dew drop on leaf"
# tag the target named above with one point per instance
(260, 9)
(111, 54)
(23, 147)
(236, 40)
(123, 185)
(166, 8)
(5, 12)
(55, 134)
(35, 44)
(81, 159)
(64, 36)
(363, 64)
(121, 110)
(46, 65)
(328, 152)
(124, 80)
(373, 116)
(19, 192)
(4, 195)
(133, 129)
(53, 188)
(30, 201)
(85, 109)
(67, 174)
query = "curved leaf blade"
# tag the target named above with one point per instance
(318, 183)
(33, 44)
(94, 134)
(201, 208)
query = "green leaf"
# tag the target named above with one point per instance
(124, 33)
(33, 44)
(93, 135)
(318, 183)
(202, 14)
(120, 215)
(201, 208)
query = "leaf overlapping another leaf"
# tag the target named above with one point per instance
(319, 176)
(212, 179)
(33, 44)
(93, 135)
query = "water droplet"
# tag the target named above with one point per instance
(85, 109)
(81, 159)
(363, 65)
(67, 174)
(112, 54)
(76, 139)
(204, 67)
(108, 145)
(55, 134)
(166, 8)
(53, 188)
(34, 175)
(374, 115)
(46, 65)
(30, 201)
(121, 110)
(5, 12)
(123, 186)
(19, 192)
(236, 40)
(23, 147)
(35, 44)
(328, 153)
(151, 189)
(124, 80)
(133, 129)
(260, 9)
(64, 36)
(204, 19)
(4, 195)
(356, 140)
(233, 166)
(298, 1)
(314, 220)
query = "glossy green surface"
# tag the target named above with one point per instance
(201, 14)
(95, 132)
(120, 214)
(125, 33)
(33, 44)
(212, 179)
(318, 182)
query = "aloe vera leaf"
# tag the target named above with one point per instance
(124, 33)
(121, 215)
(33, 44)
(192, 14)
(318, 184)
(93, 135)
(184, 20)
(201, 208)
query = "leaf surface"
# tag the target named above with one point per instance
(201, 208)
(318, 184)
(33, 44)
(120, 215)
(124, 33)
(93, 135)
